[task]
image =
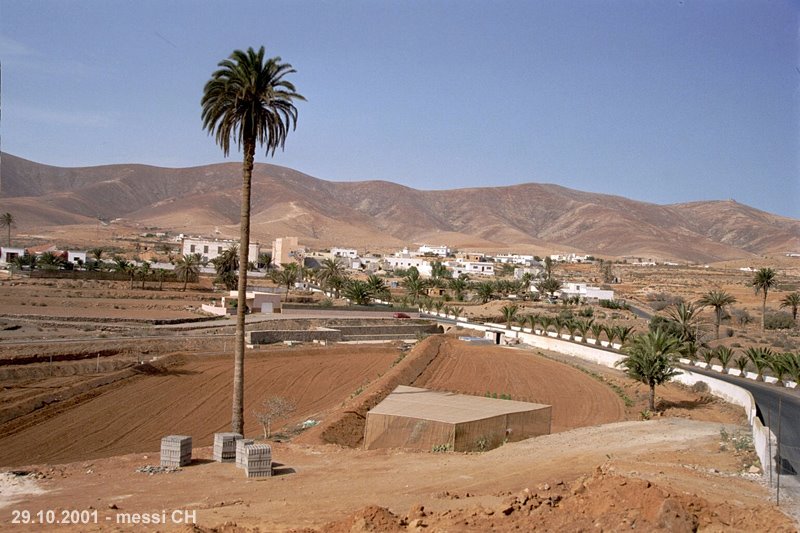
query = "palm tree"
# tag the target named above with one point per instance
(144, 271)
(377, 287)
(7, 221)
(509, 313)
(763, 281)
(651, 359)
(415, 286)
(687, 318)
(623, 333)
(458, 286)
(791, 300)
(741, 363)
(724, 355)
(187, 267)
(287, 276)
(248, 100)
(331, 269)
(125, 267)
(358, 292)
(719, 300)
(549, 286)
(584, 326)
(226, 266)
(484, 292)
(265, 260)
(791, 363)
(760, 359)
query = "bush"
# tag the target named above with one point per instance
(613, 304)
(778, 320)
(741, 316)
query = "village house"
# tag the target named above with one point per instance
(481, 268)
(441, 251)
(210, 249)
(8, 254)
(586, 292)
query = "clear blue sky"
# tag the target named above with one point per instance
(663, 101)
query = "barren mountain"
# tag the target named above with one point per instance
(377, 214)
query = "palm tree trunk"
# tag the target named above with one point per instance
(763, 310)
(652, 398)
(237, 420)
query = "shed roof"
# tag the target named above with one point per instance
(447, 407)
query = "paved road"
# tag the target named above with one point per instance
(768, 397)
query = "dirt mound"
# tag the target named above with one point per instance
(604, 502)
(346, 426)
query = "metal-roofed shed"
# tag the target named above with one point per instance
(423, 419)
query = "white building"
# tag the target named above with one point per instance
(210, 249)
(8, 254)
(350, 253)
(422, 265)
(442, 251)
(75, 257)
(515, 259)
(481, 268)
(586, 292)
(569, 258)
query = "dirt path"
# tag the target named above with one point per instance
(327, 483)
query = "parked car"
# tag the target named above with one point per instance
(400, 315)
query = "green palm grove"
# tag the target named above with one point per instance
(248, 100)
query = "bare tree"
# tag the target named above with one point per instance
(274, 408)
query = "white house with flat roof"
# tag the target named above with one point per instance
(480, 268)
(350, 253)
(586, 292)
(442, 251)
(422, 265)
(210, 249)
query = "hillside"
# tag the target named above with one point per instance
(537, 217)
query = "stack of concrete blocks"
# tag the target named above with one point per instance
(225, 447)
(240, 444)
(176, 450)
(257, 460)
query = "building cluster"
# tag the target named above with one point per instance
(428, 260)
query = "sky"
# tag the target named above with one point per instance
(661, 101)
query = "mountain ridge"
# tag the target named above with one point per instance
(376, 213)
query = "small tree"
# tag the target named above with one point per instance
(651, 359)
(725, 356)
(509, 313)
(793, 301)
(272, 409)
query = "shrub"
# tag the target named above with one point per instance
(778, 320)
(741, 316)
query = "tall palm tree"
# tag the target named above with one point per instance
(791, 300)
(650, 358)
(7, 221)
(187, 267)
(763, 281)
(226, 265)
(484, 291)
(719, 300)
(458, 286)
(248, 100)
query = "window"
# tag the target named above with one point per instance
(191, 249)
(219, 250)
(205, 249)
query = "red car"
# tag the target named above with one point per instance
(400, 315)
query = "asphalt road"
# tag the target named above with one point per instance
(768, 400)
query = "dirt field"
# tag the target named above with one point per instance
(194, 398)
(604, 468)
